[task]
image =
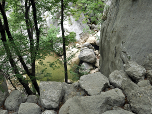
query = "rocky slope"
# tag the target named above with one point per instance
(127, 92)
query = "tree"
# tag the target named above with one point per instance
(10, 43)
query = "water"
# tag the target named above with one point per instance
(46, 73)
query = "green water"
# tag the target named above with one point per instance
(46, 73)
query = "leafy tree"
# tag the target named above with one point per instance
(12, 42)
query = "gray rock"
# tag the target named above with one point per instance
(29, 108)
(71, 91)
(94, 83)
(121, 80)
(148, 62)
(116, 95)
(51, 94)
(88, 45)
(49, 112)
(13, 100)
(3, 112)
(126, 26)
(32, 99)
(144, 83)
(118, 112)
(140, 100)
(85, 68)
(135, 71)
(87, 55)
(116, 78)
(96, 104)
(3, 88)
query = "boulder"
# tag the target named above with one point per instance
(13, 101)
(32, 99)
(51, 94)
(140, 100)
(93, 84)
(135, 71)
(70, 91)
(144, 83)
(126, 30)
(49, 112)
(85, 68)
(29, 108)
(96, 104)
(87, 55)
(118, 112)
(3, 112)
(3, 88)
(116, 95)
(120, 80)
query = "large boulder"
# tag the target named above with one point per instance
(29, 108)
(3, 88)
(120, 80)
(13, 101)
(135, 71)
(94, 83)
(87, 55)
(125, 34)
(51, 94)
(96, 104)
(140, 100)
(71, 90)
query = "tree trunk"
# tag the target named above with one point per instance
(64, 49)
(12, 62)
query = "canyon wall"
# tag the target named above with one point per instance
(126, 34)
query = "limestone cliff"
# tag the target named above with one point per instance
(125, 34)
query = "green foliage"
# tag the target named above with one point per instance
(92, 9)
(77, 72)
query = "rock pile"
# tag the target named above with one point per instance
(126, 92)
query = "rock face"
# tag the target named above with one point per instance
(125, 34)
